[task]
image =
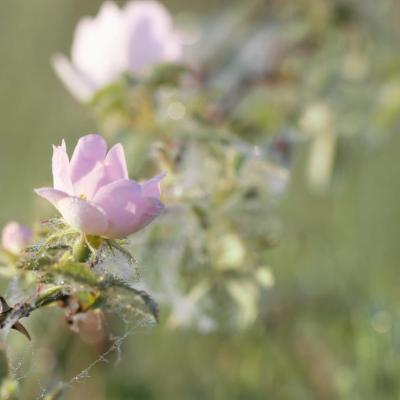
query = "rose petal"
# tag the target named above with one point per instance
(76, 81)
(173, 51)
(152, 11)
(78, 213)
(111, 169)
(115, 163)
(126, 208)
(60, 167)
(83, 215)
(148, 209)
(152, 187)
(87, 163)
(96, 49)
(51, 195)
(149, 35)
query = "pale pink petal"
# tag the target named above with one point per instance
(80, 214)
(51, 195)
(112, 168)
(152, 11)
(144, 49)
(60, 167)
(97, 49)
(86, 164)
(149, 35)
(173, 51)
(152, 187)
(126, 208)
(147, 209)
(76, 81)
(115, 164)
(83, 215)
(90, 183)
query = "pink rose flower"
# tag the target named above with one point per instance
(94, 194)
(15, 237)
(132, 39)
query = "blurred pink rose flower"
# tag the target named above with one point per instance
(132, 39)
(15, 237)
(94, 194)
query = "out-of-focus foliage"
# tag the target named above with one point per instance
(323, 100)
(277, 75)
(209, 250)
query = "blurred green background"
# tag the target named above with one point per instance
(331, 326)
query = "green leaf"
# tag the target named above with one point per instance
(166, 74)
(136, 298)
(79, 272)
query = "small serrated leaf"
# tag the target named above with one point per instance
(150, 304)
(115, 245)
(79, 272)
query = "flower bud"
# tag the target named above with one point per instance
(15, 237)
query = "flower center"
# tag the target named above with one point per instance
(82, 197)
